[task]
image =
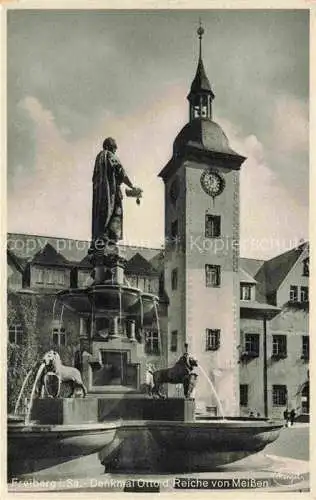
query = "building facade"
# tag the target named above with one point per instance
(271, 350)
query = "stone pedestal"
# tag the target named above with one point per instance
(126, 355)
(68, 411)
(181, 410)
(71, 411)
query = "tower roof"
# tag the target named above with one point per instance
(203, 135)
(200, 84)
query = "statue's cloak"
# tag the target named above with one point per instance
(107, 213)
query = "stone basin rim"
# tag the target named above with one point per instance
(47, 428)
(216, 424)
(106, 286)
(145, 424)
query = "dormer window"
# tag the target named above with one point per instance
(306, 267)
(50, 279)
(40, 276)
(245, 291)
(293, 293)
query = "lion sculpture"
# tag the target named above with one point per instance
(53, 365)
(181, 373)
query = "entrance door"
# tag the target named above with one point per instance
(113, 371)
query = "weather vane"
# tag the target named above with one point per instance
(200, 32)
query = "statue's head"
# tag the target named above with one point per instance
(49, 359)
(109, 144)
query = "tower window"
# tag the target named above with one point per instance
(279, 395)
(212, 226)
(212, 339)
(243, 394)
(174, 231)
(279, 346)
(174, 279)
(304, 293)
(212, 275)
(245, 292)
(293, 293)
(174, 341)
(15, 334)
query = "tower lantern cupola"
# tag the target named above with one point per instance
(201, 94)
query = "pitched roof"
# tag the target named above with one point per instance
(16, 261)
(276, 269)
(158, 261)
(49, 256)
(201, 82)
(26, 246)
(245, 277)
(138, 265)
(85, 262)
(251, 266)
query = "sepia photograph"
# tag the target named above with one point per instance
(157, 246)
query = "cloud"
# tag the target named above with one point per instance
(290, 124)
(271, 219)
(55, 197)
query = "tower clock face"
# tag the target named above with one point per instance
(212, 183)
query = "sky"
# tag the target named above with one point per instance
(76, 77)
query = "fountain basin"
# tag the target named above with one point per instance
(59, 440)
(153, 446)
(108, 299)
(169, 446)
(36, 446)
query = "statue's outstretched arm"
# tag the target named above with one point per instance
(127, 181)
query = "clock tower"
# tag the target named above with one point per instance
(202, 249)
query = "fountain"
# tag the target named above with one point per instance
(130, 430)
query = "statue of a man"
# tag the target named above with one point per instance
(107, 210)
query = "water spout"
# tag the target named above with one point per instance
(38, 375)
(61, 314)
(21, 391)
(158, 327)
(54, 307)
(220, 406)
